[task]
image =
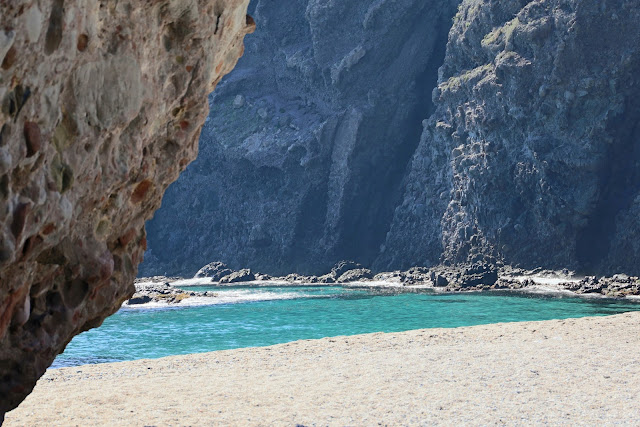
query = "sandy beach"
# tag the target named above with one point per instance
(575, 371)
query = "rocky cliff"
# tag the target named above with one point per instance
(532, 156)
(336, 138)
(308, 139)
(101, 108)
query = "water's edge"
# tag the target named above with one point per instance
(256, 316)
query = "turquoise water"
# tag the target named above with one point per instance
(248, 317)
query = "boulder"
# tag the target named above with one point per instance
(326, 278)
(142, 299)
(440, 281)
(476, 275)
(215, 270)
(342, 267)
(244, 275)
(355, 275)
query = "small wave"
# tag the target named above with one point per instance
(225, 297)
(200, 281)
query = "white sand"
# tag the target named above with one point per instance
(578, 371)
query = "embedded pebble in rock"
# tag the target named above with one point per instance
(101, 108)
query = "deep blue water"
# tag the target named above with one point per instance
(247, 317)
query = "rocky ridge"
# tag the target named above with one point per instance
(101, 109)
(459, 278)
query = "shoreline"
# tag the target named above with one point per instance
(163, 292)
(441, 278)
(558, 371)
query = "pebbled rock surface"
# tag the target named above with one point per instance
(533, 153)
(302, 158)
(101, 108)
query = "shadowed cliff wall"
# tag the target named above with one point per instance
(308, 141)
(330, 142)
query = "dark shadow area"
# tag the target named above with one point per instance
(379, 186)
(620, 183)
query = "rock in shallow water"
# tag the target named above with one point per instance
(162, 292)
(244, 275)
(215, 270)
(101, 109)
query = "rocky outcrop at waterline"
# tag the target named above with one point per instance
(101, 108)
(337, 139)
(162, 292)
(441, 278)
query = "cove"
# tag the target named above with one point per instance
(243, 316)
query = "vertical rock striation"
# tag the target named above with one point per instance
(308, 140)
(101, 108)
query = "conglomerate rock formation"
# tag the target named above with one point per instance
(101, 108)
(528, 154)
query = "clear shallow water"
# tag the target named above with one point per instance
(248, 317)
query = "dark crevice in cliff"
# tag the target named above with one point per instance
(619, 184)
(308, 227)
(380, 180)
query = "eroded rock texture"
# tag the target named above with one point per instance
(101, 108)
(533, 153)
(302, 159)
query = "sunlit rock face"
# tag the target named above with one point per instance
(309, 138)
(101, 108)
(533, 153)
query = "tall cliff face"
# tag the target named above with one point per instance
(528, 153)
(308, 139)
(101, 108)
(532, 155)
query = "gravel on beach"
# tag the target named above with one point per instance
(574, 371)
